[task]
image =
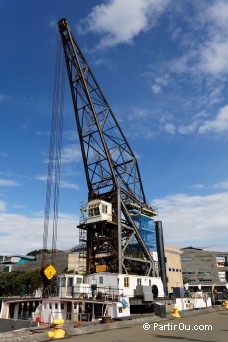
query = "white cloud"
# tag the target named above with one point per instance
(214, 57)
(9, 182)
(119, 21)
(2, 206)
(221, 185)
(138, 114)
(71, 154)
(206, 52)
(170, 128)
(198, 186)
(188, 129)
(70, 135)
(194, 220)
(218, 125)
(4, 98)
(63, 184)
(68, 185)
(213, 53)
(156, 89)
(22, 234)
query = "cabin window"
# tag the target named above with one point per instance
(70, 281)
(100, 280)
(94, 212)
(62, 306)
(139, 281)
(126, 281)
(63, 282)
(104, 209)
(78, 280)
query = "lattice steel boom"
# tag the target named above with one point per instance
(111, 171)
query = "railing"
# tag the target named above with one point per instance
(101, 293)
(109, 293)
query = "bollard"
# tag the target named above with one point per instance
(225, 305)
(58, 332)
(175, 312)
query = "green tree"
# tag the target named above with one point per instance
(17, 283)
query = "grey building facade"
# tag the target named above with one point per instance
(204, 267)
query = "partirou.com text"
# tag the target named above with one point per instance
(179, 326)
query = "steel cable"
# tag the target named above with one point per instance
(54, 155)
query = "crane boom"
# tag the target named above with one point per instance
(111, 170)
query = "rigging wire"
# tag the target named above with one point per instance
(54, 154)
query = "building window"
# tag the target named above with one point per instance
(120, 310)
(188, 272)
(186, 259)
(126, 281)
(62, 306)
(56, 306)
(205, 280)
(100, 280)
(50, 307)
(139, 281)
(220, 261)
(104, 209)
(204, 272)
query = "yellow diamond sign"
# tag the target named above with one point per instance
(50, 271)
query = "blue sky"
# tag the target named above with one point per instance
(163, 68)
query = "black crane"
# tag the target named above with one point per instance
(112, 175)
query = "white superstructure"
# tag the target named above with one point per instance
(126, 283)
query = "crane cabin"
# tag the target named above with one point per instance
(99, 210)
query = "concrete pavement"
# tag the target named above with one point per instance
(209, 327)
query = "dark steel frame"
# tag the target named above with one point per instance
(111, 170)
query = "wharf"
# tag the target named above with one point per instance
(27, 335)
